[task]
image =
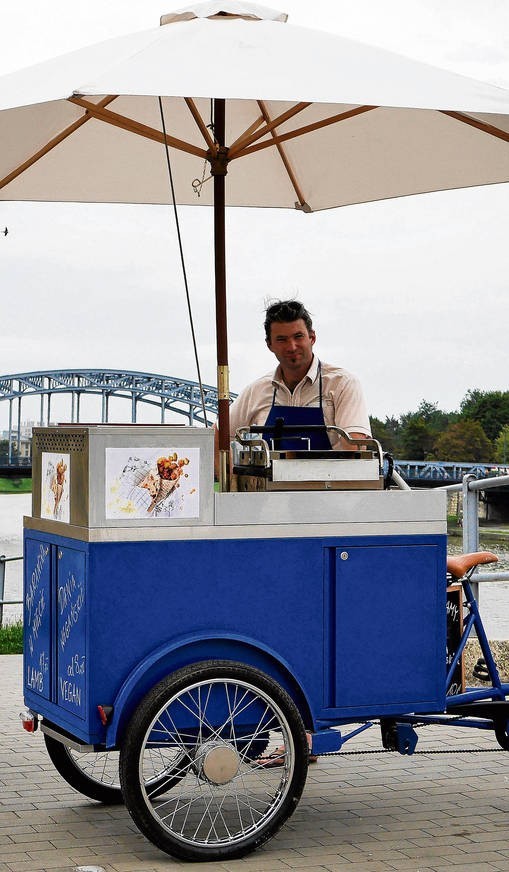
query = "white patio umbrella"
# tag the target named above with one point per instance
(277, 115)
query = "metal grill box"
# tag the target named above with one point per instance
(122, 476)
(255, 470)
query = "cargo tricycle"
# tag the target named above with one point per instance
(189, 652)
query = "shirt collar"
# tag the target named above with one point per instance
(311, 375)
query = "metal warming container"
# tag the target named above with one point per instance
(116, 476)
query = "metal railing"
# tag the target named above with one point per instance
(4, 602)
(470, 488)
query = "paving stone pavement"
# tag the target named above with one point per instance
(374, 813)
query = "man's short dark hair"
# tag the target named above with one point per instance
(284, 311)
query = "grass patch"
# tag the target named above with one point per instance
(453, 525)
(11, 638)
(15, 485)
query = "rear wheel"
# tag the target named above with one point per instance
(501, 734)
(95, 773)
(225, 720)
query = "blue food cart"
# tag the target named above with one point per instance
(186, 650)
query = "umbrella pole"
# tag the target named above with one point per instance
(219, 168)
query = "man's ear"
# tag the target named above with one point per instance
(312, 336)
(267, 342)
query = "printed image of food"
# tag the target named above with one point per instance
(171, 467)
(57, 485)
(161, 482)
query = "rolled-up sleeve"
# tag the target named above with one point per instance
(350, 408)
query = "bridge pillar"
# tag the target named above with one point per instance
(497, 505)
(19, 426)
(10, 431)
(105, 407)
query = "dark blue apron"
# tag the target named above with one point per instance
(315, 440)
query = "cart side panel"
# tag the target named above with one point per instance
(157, 593)
(271, 593)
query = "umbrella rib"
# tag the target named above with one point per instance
(283, 157)
(137, 127)
(480, 125)
(252, 127)
(285, 116)
(201, 124)
(300, 131)
(51, 144)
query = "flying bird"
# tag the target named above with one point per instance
(5, 231)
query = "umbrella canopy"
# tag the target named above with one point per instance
(312, 120)
(291, 117)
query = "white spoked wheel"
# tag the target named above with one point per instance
(242, 752)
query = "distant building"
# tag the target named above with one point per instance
(24, 452)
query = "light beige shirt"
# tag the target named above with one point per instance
(342, 399)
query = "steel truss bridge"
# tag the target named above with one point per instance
(438, 473)
(175, 395)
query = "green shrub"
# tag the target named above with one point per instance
(15, 485)
(11, 638)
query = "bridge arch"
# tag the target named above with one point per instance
(176, 395)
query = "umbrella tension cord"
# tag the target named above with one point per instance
(182, 261)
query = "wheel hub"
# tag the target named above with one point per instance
(217, 762)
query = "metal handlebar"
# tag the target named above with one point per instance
(367, 441)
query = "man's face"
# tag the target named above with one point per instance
(292, 344)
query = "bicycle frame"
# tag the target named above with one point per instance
(497, 690)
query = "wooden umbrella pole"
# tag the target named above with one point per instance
(219, 168)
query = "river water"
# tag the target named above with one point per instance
(494, 596)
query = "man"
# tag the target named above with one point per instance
(303, 390)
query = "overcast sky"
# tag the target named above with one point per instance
(410, 294)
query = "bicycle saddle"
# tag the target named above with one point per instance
(459, 565)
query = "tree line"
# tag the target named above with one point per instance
(479, 431)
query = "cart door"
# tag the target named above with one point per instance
(37, 618)
(71, 626)
(388, 624)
